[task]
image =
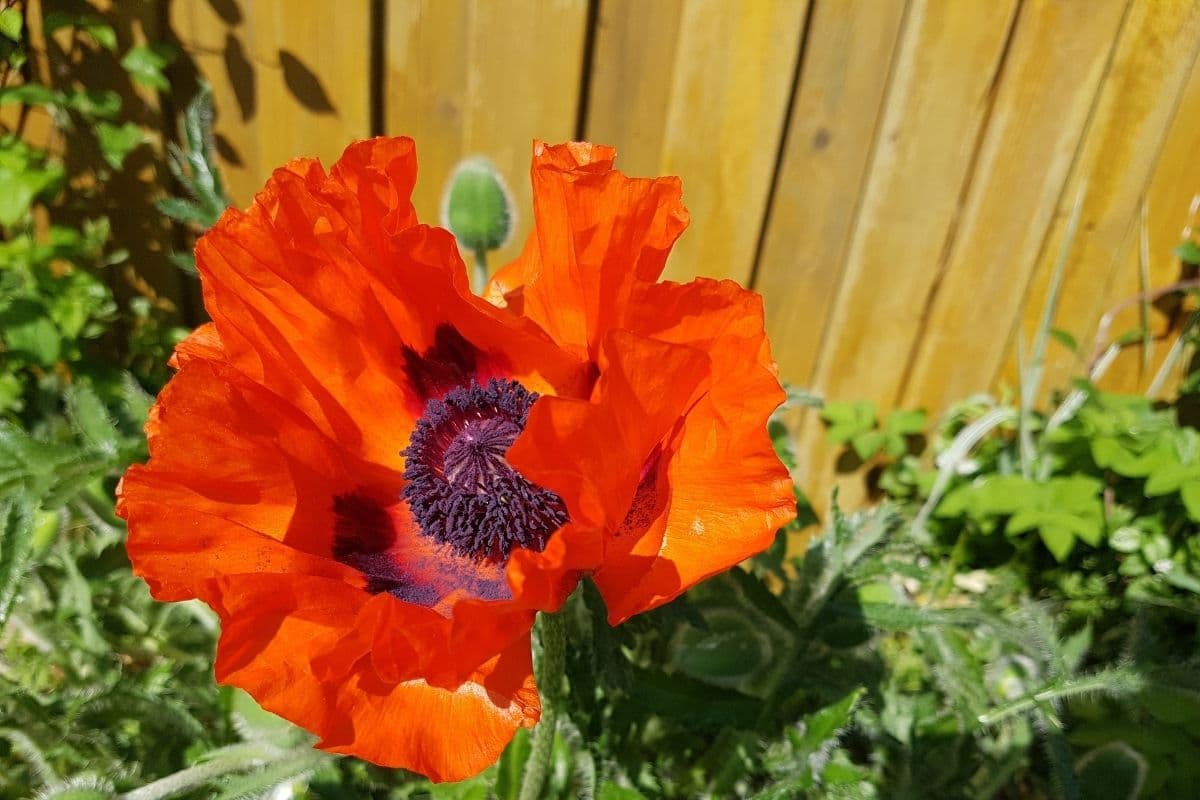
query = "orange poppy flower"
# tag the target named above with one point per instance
(377, 478)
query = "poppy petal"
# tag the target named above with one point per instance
(345, 323)
(287, 642)
(445, 734)
(597, 233)
(594, 453)
(686, 507)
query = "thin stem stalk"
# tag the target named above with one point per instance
(550, 669)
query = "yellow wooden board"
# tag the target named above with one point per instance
(937, 104)
(289, 79)
(699, 89)
(1168, 210)
(1056, 61)
(834, 118)
(470, 77)
(1154, 56)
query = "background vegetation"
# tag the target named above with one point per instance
(1014, 616)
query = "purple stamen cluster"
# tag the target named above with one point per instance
(461, 489)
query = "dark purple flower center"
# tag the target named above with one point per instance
(461, 489)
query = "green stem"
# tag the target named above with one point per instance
(196, 776)
(481, 270)
(550, 669)
(1118, 680)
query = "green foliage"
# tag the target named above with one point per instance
(1016, 618)
(145, 63)
(855, 424)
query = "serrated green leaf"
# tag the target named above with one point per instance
(91, 419)
(477, 207)
(182, 210)
(16, 548)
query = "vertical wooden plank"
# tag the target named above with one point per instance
(937, 103)
(289, 79)
(838, 100)
(699, 89)
(487, 77)
(1168, 199)
(1058, 56)
(1154, 56)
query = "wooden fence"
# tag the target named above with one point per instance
(895, 176)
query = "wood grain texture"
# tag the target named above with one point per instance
(699, 89)
(1056, 61)
(1139, 98)
(289, 80)
(466, 77)
(834, 118)
(1168, 211)
(937, 104)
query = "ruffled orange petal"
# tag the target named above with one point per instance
(597, 233)
(445, 734)
(204, 342)
(332, 297)
(288, 643)
(240, 482)
(594, 453)
(236, 481)
(720, 492)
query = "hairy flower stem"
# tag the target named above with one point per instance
(481, 271)
(550, 667)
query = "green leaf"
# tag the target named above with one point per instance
(101, 32)
(145, 64)
(826, 724)
(16, 546)
(28, 332)
(1127, 539)
(511, 766)
(1189, 252)
(611, 791)
(11, 24)
(1190, 493)
(868, 443)
(118, 141)
(1059, 539)
(729, 651)
(906, 422)
(477, 207)
(33, 94)
(96, 103)
(1065, 338)
(690, 701)
(25, 175)
(847, 420)
(90, 418)
(1114, 771)
(182, 210)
